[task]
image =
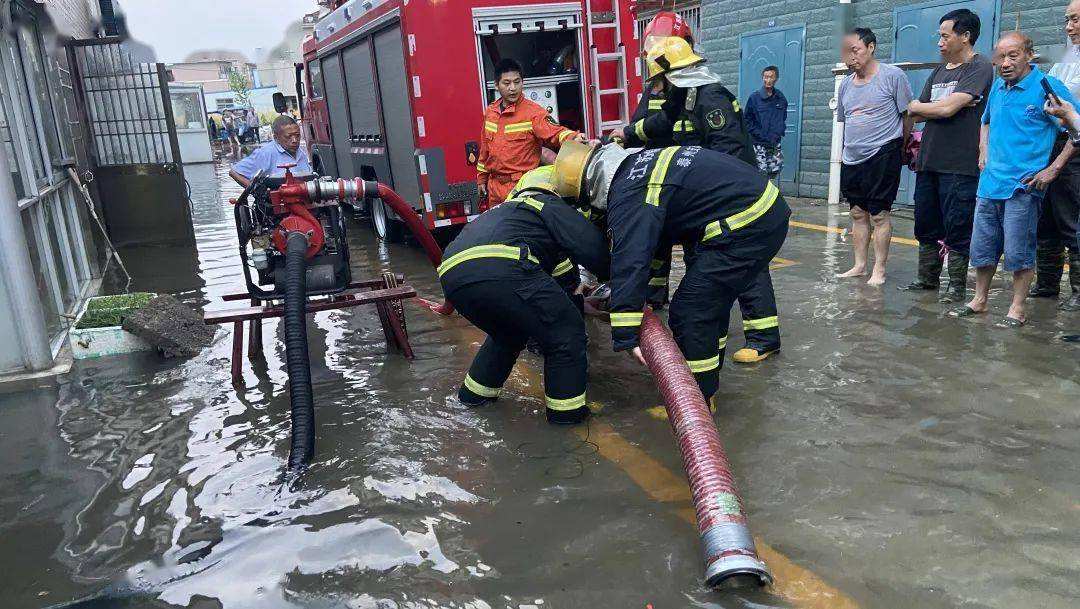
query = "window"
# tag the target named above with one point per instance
(38, 77)
(223, 71)
(14, 162)
(187, 111)
(315, 78)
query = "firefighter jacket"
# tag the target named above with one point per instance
(708, 116)
(537, 230)
(687, 195)
(650, 103)
(512, 138)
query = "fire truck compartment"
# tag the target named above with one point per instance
(551, 62)
(371, 127)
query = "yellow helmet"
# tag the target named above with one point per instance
(669, 54)
(541, 178)
(570, 167)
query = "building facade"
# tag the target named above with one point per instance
(48, 257)
(801, 36)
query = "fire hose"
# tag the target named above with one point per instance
(419, 231)
(730, 554)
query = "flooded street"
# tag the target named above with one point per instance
(889, 458)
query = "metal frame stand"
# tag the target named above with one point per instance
(387, 294)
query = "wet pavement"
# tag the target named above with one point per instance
(889, 457)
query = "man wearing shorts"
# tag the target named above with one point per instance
(872, 104)
(1014, 151)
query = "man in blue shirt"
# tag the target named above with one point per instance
(766, 120)
(284, 149)
(1014, 149)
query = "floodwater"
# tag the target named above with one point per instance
(889, 457)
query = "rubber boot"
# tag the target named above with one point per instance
(567, 417)
(1048, 267)
(1072, 303)
(471, 399)
(929, 273)
(958, 271)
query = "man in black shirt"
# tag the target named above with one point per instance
(951, 104)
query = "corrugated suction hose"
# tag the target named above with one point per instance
(302, 412)
(730, 555)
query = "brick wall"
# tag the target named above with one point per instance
(722, 21)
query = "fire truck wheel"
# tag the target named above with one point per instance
(386, 226)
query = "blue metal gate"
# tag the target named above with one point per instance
(916, 37)
(784, 48)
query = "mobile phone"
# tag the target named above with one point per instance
(1050, 91)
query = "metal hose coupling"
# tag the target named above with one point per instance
(351, 189)
(730, 555)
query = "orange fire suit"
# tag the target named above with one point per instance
(511, 142)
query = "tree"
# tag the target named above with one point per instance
(241, 86)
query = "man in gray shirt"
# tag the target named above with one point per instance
(872, 104)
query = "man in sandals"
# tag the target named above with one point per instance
(1014, 149)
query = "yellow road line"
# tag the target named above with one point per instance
(779, 263)
(841, 231)
(797, 585)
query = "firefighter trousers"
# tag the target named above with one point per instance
(719, 272)
(761, 322)
(510, 312)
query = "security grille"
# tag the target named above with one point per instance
(127, 112)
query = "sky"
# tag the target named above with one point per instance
(177, 27)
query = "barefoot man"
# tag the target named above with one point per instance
(872, 104)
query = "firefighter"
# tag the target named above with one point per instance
(661, 26)
(698, 110)
(515, 129)
(725, 211)
(498, 273)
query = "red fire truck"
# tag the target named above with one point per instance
(395, 89)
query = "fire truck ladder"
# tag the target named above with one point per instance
(607, 49)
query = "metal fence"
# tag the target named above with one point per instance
(126, 107)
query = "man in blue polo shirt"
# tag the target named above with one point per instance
(284, 149)
(1014, 150)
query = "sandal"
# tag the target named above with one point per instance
(965, 311)
(1010, 322)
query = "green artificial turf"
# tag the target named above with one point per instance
(110, 310)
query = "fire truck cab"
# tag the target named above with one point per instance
(395, 89)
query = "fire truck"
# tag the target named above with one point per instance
(394, 90)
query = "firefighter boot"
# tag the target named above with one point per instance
(958, 271)
(929, 273)
(1072, 303)
(1048, 267)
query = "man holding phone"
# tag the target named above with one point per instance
(1061, 207)
(1015, 141)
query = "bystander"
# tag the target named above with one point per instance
(951, 104)
(872, 102)
(766, 120)
(1057, 234)
(1014, 147)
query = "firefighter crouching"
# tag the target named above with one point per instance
(498, 273)
(726, 214)
(515, 129)
(699, 110)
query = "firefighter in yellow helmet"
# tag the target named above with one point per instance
(726, 212)
(700, 111)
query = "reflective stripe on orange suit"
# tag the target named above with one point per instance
(510, 143)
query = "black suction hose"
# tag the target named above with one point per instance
(296, 352)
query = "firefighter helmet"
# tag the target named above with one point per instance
(663, 25)
(570, 167)
(542, 178)
(670, 54)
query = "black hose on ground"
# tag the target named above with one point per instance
(302, 411)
